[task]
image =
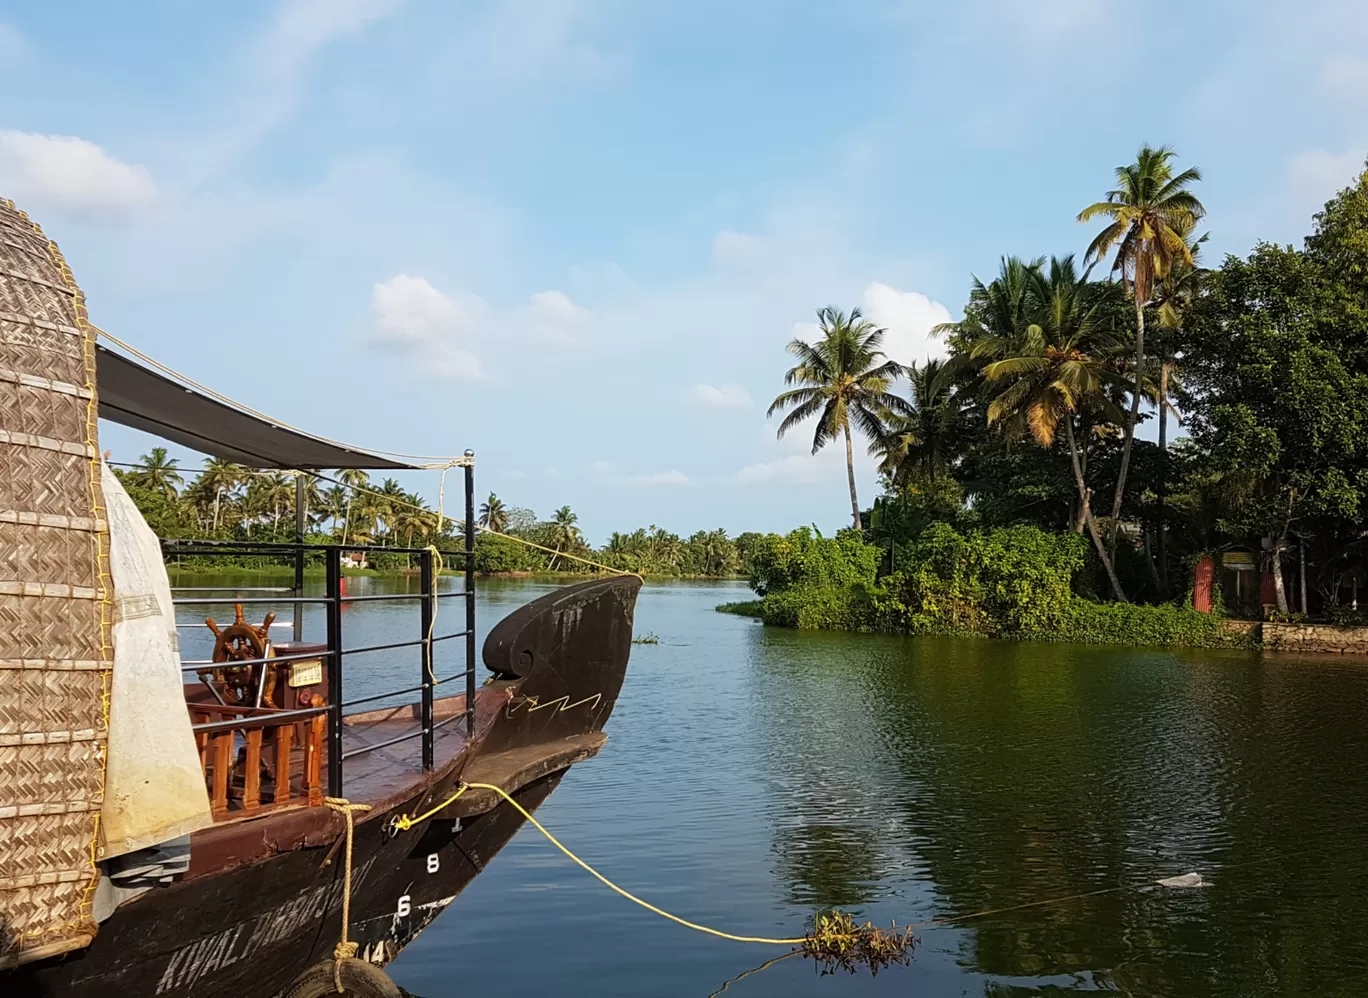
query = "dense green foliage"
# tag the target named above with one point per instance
(991, 468)
(1010, 582)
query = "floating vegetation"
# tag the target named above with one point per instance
(649, 638)
(837, 942)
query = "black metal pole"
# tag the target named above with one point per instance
(333, 560)
(470, 589)
(301, 517)
(425, 621)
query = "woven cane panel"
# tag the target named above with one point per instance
(29, 921)
(31, 854)
(42, 481)
(51, 778)
(42, 411)
(49, 700)
(48, 627)
(28, 257)
(33, 553)
(38, 301)
(33, 349)
(52, 715)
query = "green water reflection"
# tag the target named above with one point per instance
(1006, 774)
(753, 774)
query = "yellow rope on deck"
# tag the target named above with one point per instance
(345, 949)
(405, 822)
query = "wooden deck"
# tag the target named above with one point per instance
(388, 759)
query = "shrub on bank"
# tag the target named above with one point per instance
(1013, 582)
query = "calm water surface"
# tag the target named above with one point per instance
(753, 774)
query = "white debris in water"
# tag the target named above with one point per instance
(1186, 880)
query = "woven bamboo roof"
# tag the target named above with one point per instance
(55, 609)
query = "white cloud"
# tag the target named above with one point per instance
(552, 315)
(1315, 175)
(671, 477)
(726, 397)
(607, 473)
(792, 469)
(13, 48)
(1345, 78)
(741, 250)
(305, 26)
(70, 174)
(908, 317)
(1051, 23)
(525, 41)
(412, 316)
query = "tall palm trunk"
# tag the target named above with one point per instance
(850, 472)
(218, 494)
(1162, 491)
(1134, 415)
(1279, 544)
(1085, 499)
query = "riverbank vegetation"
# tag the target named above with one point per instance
(994, 464)
(228, 502)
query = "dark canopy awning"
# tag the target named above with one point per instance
(132, 395)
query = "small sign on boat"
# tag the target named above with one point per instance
(306, 673)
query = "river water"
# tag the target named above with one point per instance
(753, 774)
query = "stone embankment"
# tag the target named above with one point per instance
(1323, 639)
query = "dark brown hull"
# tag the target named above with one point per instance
(263, 898)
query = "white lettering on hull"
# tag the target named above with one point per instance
(204, 956)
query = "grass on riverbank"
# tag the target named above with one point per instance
(745, 608)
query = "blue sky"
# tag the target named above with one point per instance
(575, 235)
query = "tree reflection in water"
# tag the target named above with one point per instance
(996, 774)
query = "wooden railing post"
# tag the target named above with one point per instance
(223, 767)
(284, 736)
(313, 759)
(251, 784)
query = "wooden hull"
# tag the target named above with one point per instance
(264, 896)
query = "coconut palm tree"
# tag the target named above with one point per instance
(220, 477)
(1150, 210)
(1173, 293)
(158, 473)
(388, 503)
(565, 534)
(845, 378)
(1055, 367)
(313, 495)
(353, 479)
(332, 506)
(493, 515)
(928, 441)
(270, 495)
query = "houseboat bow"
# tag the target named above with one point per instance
(174, 827)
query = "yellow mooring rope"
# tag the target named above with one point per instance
(345, 949)
(405, 822)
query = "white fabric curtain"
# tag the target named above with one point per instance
(154, 787)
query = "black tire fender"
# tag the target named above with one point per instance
(359, 980)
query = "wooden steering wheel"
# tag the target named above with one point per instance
(241, 642)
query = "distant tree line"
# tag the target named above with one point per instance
(225, 501)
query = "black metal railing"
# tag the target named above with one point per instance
(339, 656)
